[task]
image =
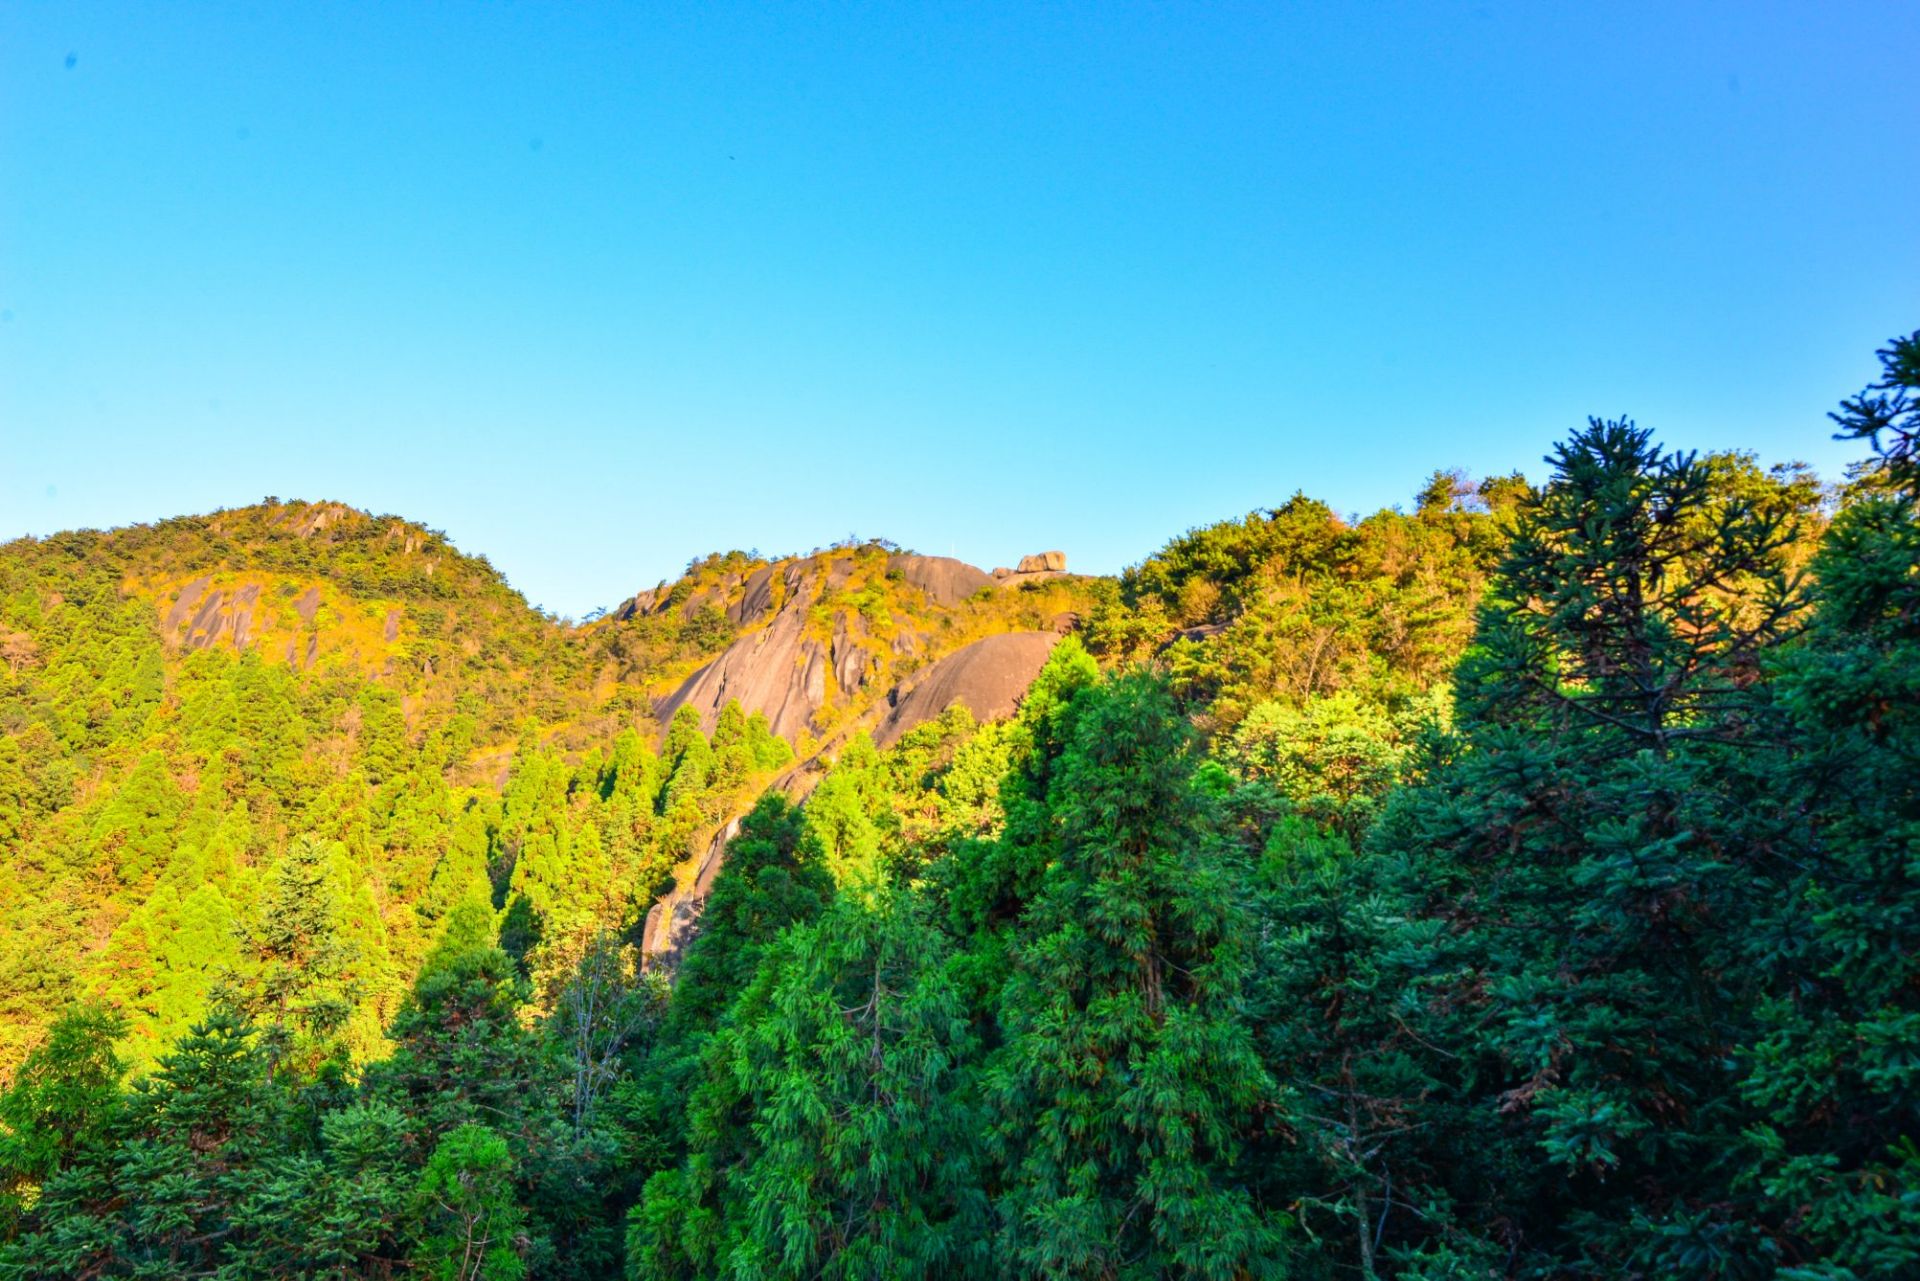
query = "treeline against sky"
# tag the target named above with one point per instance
(1524, 885)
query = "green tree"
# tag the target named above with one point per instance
(133, 833)
(1636, 594)
(846, 1058)
(295, 940)
(206, 1135)
(1335, 758)
(1593, 837)
(472, 1224)
(1887, 416)
(772, 878)
(60, 1108)
(1128, 1072)
(383, 746)
(1833, 1154)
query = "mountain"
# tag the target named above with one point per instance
(817, 640)
(184, 700)
(1518, 885)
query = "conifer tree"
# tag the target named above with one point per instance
(1590, 836)
(773, 878)
(472, 1224)
(986, 885)
(382, 735)
(460, 1052)
(1634, 597)
(207, 1134)
(1128, 1073)
(60, 1108)
(849, 1052)
(295, 939)
(1833, 1155)
(133, 833)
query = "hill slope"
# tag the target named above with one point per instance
(182, 703)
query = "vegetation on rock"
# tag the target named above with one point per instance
(1523, 885)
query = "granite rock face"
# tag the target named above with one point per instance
(944, 580)
(757, 601)
(804, 646)
(778, 670)
(989, 677)
(201, 619)
(839, 643)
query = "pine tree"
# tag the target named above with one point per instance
(1887, 416)
(985, 885)
(1635, 596)
(460, 1051)
(773, 878)
(1592, 837)
(1128, 1071)
(849, 814)
(1833, 1155)
(133, 833)
(472, 1224)
(848, 1052)
(383, 745)
(1349, 1003)
(60, 1108)
(295, 939)
(207, 1133)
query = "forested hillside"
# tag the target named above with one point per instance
(1523, 884)
(297, 704)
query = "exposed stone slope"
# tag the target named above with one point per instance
(852, 640)
(823, 638)
(945, 581)
(988, 677)
(779, 671)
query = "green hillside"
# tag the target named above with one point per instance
(187, 702)
(1525, 883)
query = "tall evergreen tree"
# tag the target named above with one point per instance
(60, 1109)
(472, 1230)
(295, 940)
(1128, 1074)
(1592, 839)
(1833, 1154)
(833, 1135)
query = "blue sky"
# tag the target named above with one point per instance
(596, 289)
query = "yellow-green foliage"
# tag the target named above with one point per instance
(147, 788)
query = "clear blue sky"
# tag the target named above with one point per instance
(598, 288)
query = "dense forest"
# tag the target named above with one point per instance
(1522, 884)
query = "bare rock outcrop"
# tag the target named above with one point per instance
(757, 600)
(308, 519)
(672, 921)
(944, 580)
(850, 657)
(638, 604)
(989, 677)
(1034, 568)
(183, 606)
(201, 619)
(779, 671)
(240, 620)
